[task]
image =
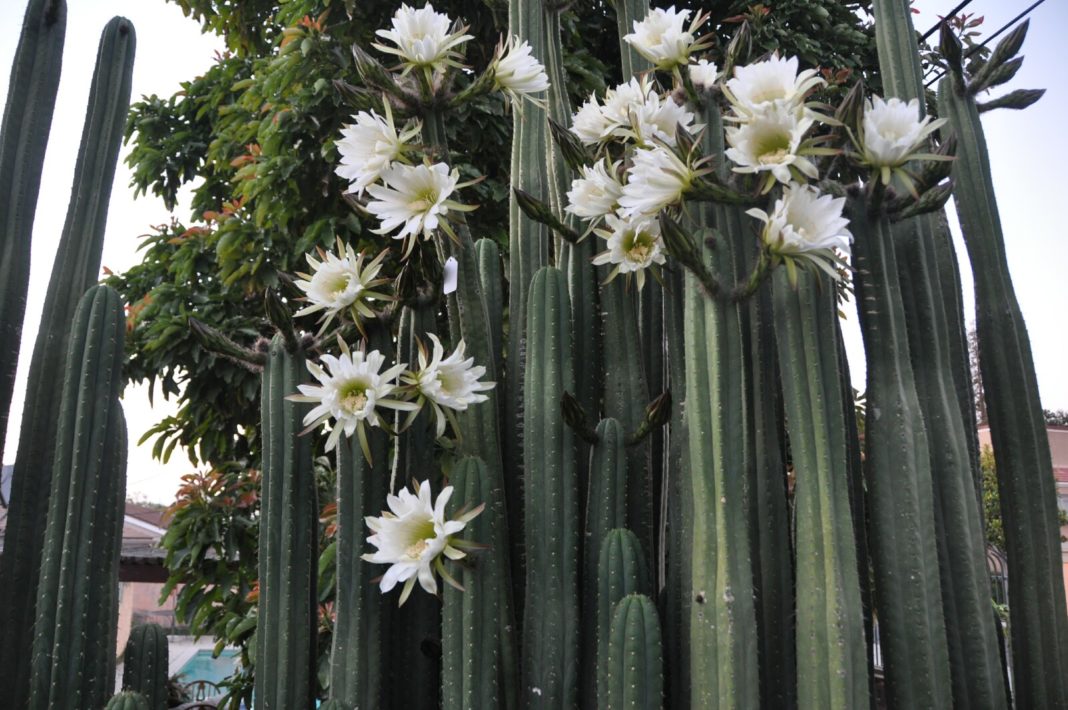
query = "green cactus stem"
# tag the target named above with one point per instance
(898, 473)
(635, 657)
(832, 668)
(76, 267)
(128, 701)
(31, 98)
(621, 570)
(606, 510)
(288, 610)
(144, 664)
(627, 13)
(972, 640)
(551, 633)
(470, 647)
(1038, 620)
(75, 605)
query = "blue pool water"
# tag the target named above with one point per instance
(203, 667)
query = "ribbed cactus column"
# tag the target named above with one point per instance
(1028, 501)
(723, 636)
(621, 570)
(606, 510)
(832, 664)
(898, 472)
(144, 664)
(31, 98)
(551, 631)
(972, 639)
(76, 604)
(76, 267)
(627, 13)
(469, 619)
(128, 701)
(635, 657)
(289, 542)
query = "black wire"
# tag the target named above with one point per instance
(951, 14)
(986, 41)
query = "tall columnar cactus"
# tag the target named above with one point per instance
(635, 657)
(286, 662)
(831, 650)
(76, 267)
(972, 640)
(723, 638)
(898, 472)
(551, 638)
(1038, 621)
(621, 570)
(144, 664)
(606, 510)
(77, 604)
(128, 701)
(31, 99)
(470, 644)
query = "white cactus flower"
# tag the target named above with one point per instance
(416, 199)
(805, 222)
(449, 384)
(350, 391)
(774, 81)
(631, 111)
(662, 37)
(589, 123)
(771, 141)
(703, 74)
(340, 284)
(893, 133)
(634, 245)
(657, 121)
(517, 72)
(369, 147)
(596, 193)
(656, 178)
(413, 535)
(423, 38)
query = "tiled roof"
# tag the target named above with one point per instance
(1061, 474)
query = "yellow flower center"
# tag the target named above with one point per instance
(773, 157)
(338, 288)
(354, 400)
(416, 549)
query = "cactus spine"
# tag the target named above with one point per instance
(144, 668)
(289, 539)
(470, 647)
(635, 656)
(1038, 622)
(831, 650)
(76, 267)
(23, 137)
(77, 605)
(972, 640)
(551, 638)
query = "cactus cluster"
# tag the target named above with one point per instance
(598, 444)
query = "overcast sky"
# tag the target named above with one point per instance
(1026, 151)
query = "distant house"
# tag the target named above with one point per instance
(1058, 446)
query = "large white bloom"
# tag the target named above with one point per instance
(518, 73)
(448, 383)
(596, 193)
(412, 536)
(804, 222)
(703, 74)
(341, 283)
(662, 37)
(774, 81)
(350, 390)
(413, 198)
(631, 111)
(656, 178)
(771, 142)
(369, 146)
(893, 131)
(634, 245)
(422, 38)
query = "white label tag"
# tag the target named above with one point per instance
(451, 270)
